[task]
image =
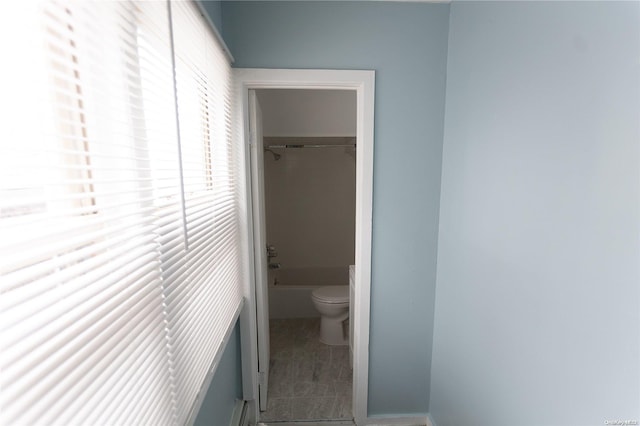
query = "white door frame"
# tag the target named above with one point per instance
(363, 82)
(261, 285)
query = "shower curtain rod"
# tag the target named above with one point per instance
(346, 145)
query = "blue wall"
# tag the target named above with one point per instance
(406, 44)
(226, 386)
(214, 10)
(537, 313)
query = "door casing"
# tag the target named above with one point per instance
(363, 83)
(261, 284)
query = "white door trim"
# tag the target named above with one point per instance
(259, 245)
(363, 82)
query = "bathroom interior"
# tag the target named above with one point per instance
(309, 139)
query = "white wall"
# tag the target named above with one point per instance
(308, 112)
(538, 300)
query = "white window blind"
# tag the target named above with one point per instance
(119, 245)
(210, 288)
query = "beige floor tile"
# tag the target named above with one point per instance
(308, 380)
(322, 408)
(278, 409)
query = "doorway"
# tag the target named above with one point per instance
(254, 321)
(308, 176)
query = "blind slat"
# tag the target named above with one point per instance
(120, 260)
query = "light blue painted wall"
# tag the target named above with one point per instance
(537, 305)
(406, 44)
(214, 10)
(226, 386)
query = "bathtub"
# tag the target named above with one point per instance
(290, 289)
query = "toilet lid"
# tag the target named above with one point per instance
(332, 294)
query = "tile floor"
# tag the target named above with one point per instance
(308, 380)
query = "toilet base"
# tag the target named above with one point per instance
(333, 331)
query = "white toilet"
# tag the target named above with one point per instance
(333, 304)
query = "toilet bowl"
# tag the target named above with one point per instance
(333, 304)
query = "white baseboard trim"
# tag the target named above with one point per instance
(398, 421)
(379, 421)
(309, 423)
(240, 416)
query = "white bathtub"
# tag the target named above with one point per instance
(290, 289)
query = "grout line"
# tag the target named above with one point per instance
(299, 334)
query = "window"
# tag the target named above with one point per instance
(119, 212)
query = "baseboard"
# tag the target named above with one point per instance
(378, 421)
(398, 421)
(310, 423)
(240, 415)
